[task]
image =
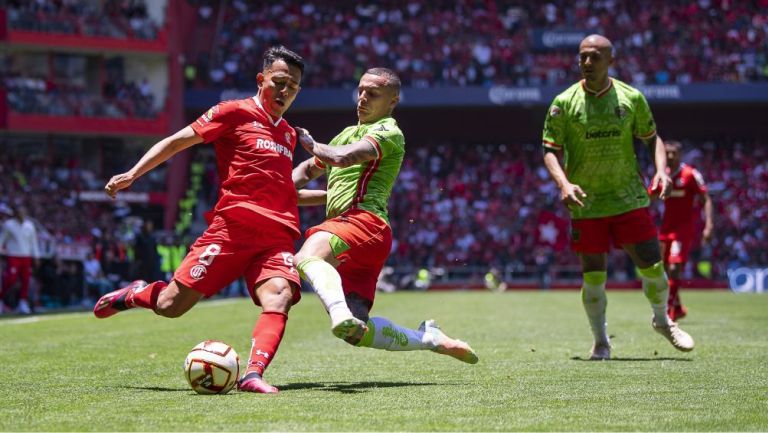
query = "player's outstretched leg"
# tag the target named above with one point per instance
(118, 300)
(446, 345)
(384, 334)
(326, 282)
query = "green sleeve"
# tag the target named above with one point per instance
(386, 139)
(554, 126)
(644, 126)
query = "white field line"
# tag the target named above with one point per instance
(76, 315)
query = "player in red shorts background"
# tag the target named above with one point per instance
(678, 226)
(255, 222)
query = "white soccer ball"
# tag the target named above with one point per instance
(212, 367)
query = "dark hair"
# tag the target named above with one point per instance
(674, 144)
(279, 52)
(392, 79)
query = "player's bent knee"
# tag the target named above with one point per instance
(275, 295)
(648, 252)
(176, 300)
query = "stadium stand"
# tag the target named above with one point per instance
(469, 43)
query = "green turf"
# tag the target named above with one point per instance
(73, 372)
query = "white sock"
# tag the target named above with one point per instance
(656, 289)
(326, 282)
(595, 303)
(384, 334)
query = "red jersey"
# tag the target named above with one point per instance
(254, 157)
(679, 216)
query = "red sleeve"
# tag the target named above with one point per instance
(699, 185)
(216, 121)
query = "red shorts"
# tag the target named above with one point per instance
(369, 241)
(229, 249)
(595, 235)
(676, 246)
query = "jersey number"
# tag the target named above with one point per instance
(209, 254)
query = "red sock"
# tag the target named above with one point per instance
(267, 335)
(673, 301)
(674, 292)
(147, 296)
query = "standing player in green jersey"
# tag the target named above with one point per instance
(343, 256)
(593, 122)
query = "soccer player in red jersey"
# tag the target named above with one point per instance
(678, 223)
(255, 222)
(343, 257)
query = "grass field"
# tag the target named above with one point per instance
(74, 372)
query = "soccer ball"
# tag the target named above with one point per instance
(212, 367)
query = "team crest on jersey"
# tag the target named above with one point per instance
(554, 111)
(197, 272)
(621, 112)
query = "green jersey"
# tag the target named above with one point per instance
(596, 132)
(367, 185)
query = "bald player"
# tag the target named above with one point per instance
(593, 124)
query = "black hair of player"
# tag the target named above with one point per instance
(279, 52)
(392, 79)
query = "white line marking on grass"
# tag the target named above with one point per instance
(80, 314)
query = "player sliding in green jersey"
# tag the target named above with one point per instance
(343, 257)
(594, 123)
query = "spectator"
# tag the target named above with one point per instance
(147, 258)
(18, 241)
(95, 280)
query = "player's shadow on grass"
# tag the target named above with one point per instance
(619, 359)
(156, 388)
(349, 387)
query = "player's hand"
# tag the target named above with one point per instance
(306, 140)
(118, 182)
(661, 182)
(571, 194)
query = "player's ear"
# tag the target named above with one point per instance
(259, 79)
(393, 103)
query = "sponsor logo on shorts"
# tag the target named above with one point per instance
(197, 272)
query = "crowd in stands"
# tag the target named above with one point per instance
(482, 43)
(495, 206)
(122, 19)
(38, 95)
(473, 207)
(73, 232)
